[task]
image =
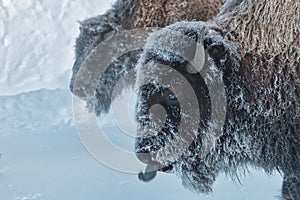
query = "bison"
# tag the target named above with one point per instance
(214, 96)
(255, 47)
(126, 15)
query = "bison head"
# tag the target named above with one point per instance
(181, 103)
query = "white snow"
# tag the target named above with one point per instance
(41, 154)
(37, 38)
(39, 110)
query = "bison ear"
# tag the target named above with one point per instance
(223, 52)
(216, 50)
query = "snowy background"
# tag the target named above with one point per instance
(42, 156)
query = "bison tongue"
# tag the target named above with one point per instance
(149, 174)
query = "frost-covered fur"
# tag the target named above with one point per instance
(130, 14)
(256, 46)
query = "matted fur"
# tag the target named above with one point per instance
(162, 13)
(255, 43)
(131, 14)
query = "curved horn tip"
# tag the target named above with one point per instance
(198, 62)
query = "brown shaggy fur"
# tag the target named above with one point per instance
(256, 45)
(130, 14)
(160, 13)
(267, 37)
(273, 34)
(267, 34)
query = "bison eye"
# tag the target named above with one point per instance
(172, 97)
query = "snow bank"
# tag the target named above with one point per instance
(37, 41)
(39, 110)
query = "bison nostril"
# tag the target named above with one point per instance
(172, 97)
(167, 168)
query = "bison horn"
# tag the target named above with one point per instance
(197, 63)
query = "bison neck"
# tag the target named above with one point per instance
(264, 93)
(160, 13)
(252, 26)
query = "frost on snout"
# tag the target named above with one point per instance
(170, 116)
(158, 117)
